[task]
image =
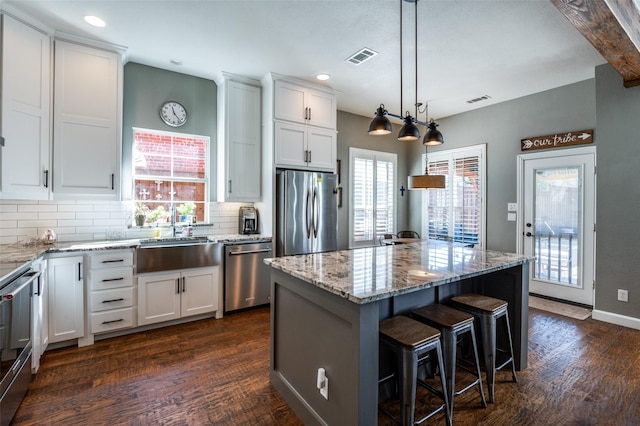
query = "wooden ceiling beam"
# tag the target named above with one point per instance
(603, 23)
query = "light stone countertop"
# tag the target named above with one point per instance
(365, 275)
(14, 256)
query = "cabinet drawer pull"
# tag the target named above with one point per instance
(183, 284)
(230, 190)
(112, 321)
(113, 300)
(113, 180)
(113, 261)
(177, 285)
(79, 271)
(113, 279)
(46, 178)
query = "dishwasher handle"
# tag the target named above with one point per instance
(234, 253)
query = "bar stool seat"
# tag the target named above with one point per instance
(412, 342)
(488, 310)
(453, 324)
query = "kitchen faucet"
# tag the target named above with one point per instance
(173, 219)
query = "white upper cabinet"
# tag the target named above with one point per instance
(87, 121)
(239, 139)
(305, 146)
(302, 104)
(26, 74)
(304, 125)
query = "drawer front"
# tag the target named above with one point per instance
(111, 259)
(111, 299)
(105, 279)
(112, 320)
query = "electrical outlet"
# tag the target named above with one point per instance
(623, 295)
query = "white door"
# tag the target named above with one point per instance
(557, 221)
(199, 291)
(66, 298)
(158, 297)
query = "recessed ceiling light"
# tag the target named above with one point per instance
(94, 20)
(323, 77)
(176, 61)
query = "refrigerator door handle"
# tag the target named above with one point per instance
(306, 214)
(315, 212)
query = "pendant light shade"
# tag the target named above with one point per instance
(433, 136)
(380, 125)
(426, 182)
(409, 131)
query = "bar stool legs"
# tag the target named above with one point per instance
(452, 324)
(488, 310)
(412, 342)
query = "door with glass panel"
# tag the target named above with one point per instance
(558, 223)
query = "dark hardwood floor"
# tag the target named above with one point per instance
(216, 372)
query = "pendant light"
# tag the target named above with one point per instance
(380, 125)
(426, 181)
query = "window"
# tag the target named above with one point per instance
(170, 170)
(457, 212)
(372, 210)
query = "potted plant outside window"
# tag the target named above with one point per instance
(185, 210)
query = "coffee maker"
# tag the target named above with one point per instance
(248, 220)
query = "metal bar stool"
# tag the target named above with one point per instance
(412, 342)
(453, 324)
(488, 310)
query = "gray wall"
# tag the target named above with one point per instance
(618, 193)
(501, 127)
(352, 132)
(145, 90)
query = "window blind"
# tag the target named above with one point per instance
(456, 213)
(372, 210)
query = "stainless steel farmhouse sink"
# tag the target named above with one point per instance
(177, 241)
(177, 253)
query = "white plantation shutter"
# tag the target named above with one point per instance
(362, 199)
(457, 212)
(372, 207)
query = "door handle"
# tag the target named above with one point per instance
(315, 213)
(306, 215)
(235, 253)
(529, 234)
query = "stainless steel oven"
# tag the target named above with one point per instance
(15, 340)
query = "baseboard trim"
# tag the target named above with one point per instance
(617, 319)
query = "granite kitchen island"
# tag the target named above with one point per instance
(325, 310)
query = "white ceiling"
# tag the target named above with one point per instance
(466, 48)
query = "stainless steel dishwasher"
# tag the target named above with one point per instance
(247, 280)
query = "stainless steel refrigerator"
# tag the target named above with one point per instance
(306, 212)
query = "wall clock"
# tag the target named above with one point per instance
(173, 113)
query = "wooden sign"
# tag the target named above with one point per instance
(558, 140)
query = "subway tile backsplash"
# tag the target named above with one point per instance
(22, 221)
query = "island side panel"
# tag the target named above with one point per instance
(312, 328)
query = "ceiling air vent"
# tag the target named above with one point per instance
(481, 98)
(361, 56)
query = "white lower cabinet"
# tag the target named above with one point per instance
(39, 313)
(66, 298)
(171, 295)
(112, 295)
